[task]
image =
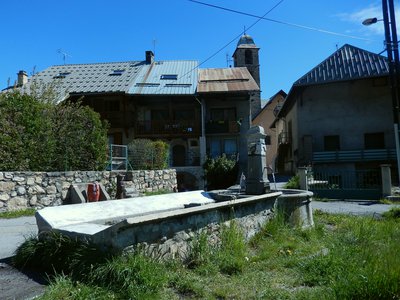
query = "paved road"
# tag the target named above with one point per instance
(13, 233)
(360, 208)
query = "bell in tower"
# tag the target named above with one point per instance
(246, 55)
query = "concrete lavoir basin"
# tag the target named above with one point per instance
(295, 205)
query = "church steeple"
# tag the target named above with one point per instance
(246, 55)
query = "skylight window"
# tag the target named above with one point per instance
(62, 75)
(169, 77)
(117, 72)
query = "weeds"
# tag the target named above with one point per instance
(343, 257)
(17, 213)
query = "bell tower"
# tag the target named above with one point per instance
(246, 55)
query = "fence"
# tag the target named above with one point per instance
(364, 184)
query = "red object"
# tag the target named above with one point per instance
(93, 192)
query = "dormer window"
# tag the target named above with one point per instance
(61, 75)
(117, 72)
(169, 77)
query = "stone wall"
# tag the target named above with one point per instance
(20, 190)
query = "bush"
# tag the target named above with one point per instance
(38, 135)
(293, 183)
(145, 154)
(220, 172)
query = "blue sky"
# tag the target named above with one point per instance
(103, 31)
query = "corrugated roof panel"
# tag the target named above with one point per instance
(348, 62)
(150, 80)
(226, 80)
(88, 78)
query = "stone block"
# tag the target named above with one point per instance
(17, 203)
(33, 200)
(8, 175)
(7, 186)
(4, 197)
(51, 190)
(30, 181)
(1, 176)
(21, 190)
(19, 179)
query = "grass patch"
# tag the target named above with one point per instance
(159, 192)
(17, 213)
(393, 213)
(342, 257)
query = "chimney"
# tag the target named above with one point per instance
(149, 57)
(22, 78)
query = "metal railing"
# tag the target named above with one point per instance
(168, 127)
(354, 155)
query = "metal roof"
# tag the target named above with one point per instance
(226, 80)
(175, 77)
(347, 63)
(88, 78)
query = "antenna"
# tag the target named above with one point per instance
(64, 54)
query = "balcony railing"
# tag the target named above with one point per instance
(222, 127)
(177, 128)
(354, 155)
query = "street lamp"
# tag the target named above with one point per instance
(392, 48)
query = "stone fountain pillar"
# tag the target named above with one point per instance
(257, 175)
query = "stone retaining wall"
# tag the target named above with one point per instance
(20, 190)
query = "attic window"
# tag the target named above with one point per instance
(117, 72)
(169, 77)
(62, 75)
(185, 85)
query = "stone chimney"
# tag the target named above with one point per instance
(149, 57)
(22, 78)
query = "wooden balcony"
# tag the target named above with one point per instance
(167, 128)
(214, 127)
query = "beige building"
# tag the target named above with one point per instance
(264, 119)
(338, 115)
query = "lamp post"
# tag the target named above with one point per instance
(392, 48)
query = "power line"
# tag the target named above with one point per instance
(280, 22)
(227, 44)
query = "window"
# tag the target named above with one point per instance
(215, 148)
(230, 147)
(169, 77)
(248, 57)
(61, 75)
(117, 72)
(223, 146)
(223, 114)
(331, 143)
(374, 140)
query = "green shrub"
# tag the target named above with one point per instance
(57, 253)
(145, 154)
(38, 135)
(220, 172)
(293, 183)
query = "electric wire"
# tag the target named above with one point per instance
(226, 45)
(280, 22)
